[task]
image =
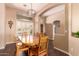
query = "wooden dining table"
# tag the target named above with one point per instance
(26, 46)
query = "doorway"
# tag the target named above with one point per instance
(56, 27)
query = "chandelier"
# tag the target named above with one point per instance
(31, 12)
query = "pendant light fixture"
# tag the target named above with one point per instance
(31, 12)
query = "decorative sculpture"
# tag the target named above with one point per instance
(10, 23)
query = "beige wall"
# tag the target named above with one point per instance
(2, 26)
(10, 33)
(75, 17)
(61, 39)
(73, 26)
(49, 30)
(36, 24)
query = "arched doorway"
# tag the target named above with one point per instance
(56, 27)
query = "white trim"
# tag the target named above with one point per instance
(60, 34)
(2, 47)
(62, 51)
(10, 42)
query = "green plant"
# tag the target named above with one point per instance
(76, 34)
(31, 32)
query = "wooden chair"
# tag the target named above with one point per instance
(42, 48)
(20, 46)
(21, 49)
(24, 34)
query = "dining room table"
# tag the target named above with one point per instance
(27, 45)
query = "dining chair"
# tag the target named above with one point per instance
(24, 34)
(42, 48)
(21, 47)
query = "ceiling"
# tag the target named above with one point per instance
(54, 10)
(26, 6)
(37, 7)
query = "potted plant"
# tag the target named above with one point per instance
(76, 34)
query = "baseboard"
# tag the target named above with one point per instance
(10, 42)
(62, 51)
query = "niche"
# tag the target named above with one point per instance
(56, 26)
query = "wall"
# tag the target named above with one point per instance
(10, 33)
(75, 17)
(2, 26)
(36, 25)
(48, 30)
(73, 26)
(61, 39)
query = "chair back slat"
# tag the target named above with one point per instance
(43, 44)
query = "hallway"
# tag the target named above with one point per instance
(52, 51)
